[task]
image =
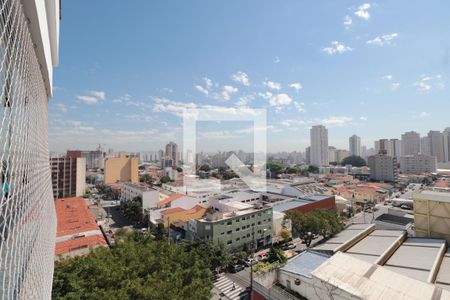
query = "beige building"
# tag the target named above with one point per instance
(432, 214)
(122, 168)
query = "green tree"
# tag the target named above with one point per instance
(205, 168)
(275, 168)
(165, 179)
(313, 169)
(136, 268)
(354, 160)
(276, 254)
(133, 211)
(179, 169)
(147, 178)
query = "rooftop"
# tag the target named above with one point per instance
(306, 262)
(73, 216)
(373, 246)
(170, 199)
(442, 196)
(139, 186)
(416, 257)
(345, 238)
(443, 277)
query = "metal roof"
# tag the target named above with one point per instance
(306, 262)
(443, 277)
(415, 257)
(375, 244)
(346, 236)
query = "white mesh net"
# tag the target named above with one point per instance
(27, 213)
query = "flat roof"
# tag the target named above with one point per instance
(443, 276)
(368, 281)
(306, 262)
(375, 244)
(394, 219)
(294, 203)
(415, 257)
(346, 236)
(442, 196)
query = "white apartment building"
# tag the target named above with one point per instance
(417, 164)
(383, 167)
(354, 146)
(410, 143)
(29, 50)
(341, 154)
(149, 196)
(319, 146)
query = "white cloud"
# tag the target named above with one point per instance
(61, 107)
(241, 77)
(208, 82)
(363, 11)
(98, 94)
(272, 85)
(202, 90)
(395, 86)
(336, 48)
(424, 114)
(335, 121)
(280, 100)
(88, 99)
(276, 60)
(382, 40)
(299, 106)
(86, 128)
(388, 77)
(427, 83)
(296, 86)
(226, 93)
(348, 22)
(363, 118)
(245, 100)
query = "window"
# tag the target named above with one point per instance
(229, 223)
(259, 222)
(229, 242)
(237, 229)
(253, 216)
(222, 233)
(229, 232)
(238, 239)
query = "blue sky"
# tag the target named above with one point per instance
(375, 69)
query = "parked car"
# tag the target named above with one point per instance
(236, 268)
(288, 246)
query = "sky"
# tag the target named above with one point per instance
(127, 71)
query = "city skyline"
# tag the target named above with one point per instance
(343, 65)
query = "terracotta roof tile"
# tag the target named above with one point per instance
(170, 199)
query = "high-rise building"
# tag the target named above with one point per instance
(332, 157)
(383, 167)
(417, 164)
(319, 145)
(341, 154)
(172, 152)
(390, 147)
(68, 176)
(29, 32)
(436, 139)
(354, 145)
(94, 159)
(308, 155)
(425, 147)
(447, 144)
(122, 168)
(410, 143)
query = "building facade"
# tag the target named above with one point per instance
(149, 196)
(417, 164)
(68, 176)
(383, 167)
(319, 146)
(410, 143)
(29, 51)
(436, 140)
(122, 168)
(354, 145)
(235, 229)
(172, 153)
